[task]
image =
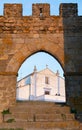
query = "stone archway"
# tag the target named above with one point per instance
(29, 48)
(23, 51)
(21, 36)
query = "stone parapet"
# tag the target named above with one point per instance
(41, 10)
(13, 10)
(68, 10)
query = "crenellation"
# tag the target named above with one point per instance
(68, 10)
(41, 10)
(15, 23)
(13, 10)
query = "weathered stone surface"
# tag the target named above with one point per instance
(1, 118)
(39, 115)
(22, 36)
(7, 90)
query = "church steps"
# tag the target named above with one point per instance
(56, 117)
(35, 103)
(65, 125)
(39, 117)
(39, 104)
(81, 126)
(40, 109)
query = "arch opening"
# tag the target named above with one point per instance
(41, 78)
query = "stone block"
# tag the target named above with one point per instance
(13, 10)
(81, 126)
(68, 10)
(8, 117)
(41, 10)
(1, 118)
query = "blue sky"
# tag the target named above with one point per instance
(27, 5)
(40, 59)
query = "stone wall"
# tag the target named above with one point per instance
(73, 60)
(7, 90)
(22, 36)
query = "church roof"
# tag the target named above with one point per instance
(45, 70)
(39, 72)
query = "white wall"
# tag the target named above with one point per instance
(41, 86)
(23, 93)
(38, 87)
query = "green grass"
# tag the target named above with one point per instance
(10, 120)
(6, 112)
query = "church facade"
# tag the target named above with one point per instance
(44, 85)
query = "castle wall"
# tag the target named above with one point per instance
(22, 36)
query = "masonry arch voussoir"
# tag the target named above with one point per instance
(35, 46)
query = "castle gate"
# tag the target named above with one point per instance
(22, 36)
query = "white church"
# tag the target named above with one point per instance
(44, 85)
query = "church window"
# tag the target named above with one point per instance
(47, 80)
(47, 92)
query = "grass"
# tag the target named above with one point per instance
(10, 120)
(4, 112)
